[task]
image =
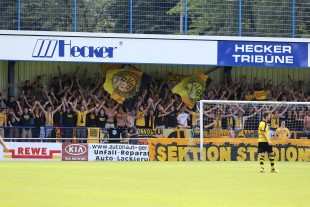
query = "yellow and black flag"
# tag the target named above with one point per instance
(125, 85)
(191, 88)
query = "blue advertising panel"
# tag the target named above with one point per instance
(262, 54)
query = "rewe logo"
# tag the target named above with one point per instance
(33, 153)
(49, 48)
(75, 149)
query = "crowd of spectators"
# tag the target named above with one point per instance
(72, 101)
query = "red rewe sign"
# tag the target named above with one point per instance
(74, 152)
(33, 153)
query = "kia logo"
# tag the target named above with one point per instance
(75, 149)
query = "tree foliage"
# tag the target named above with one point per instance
(258, 17)
(203, 17)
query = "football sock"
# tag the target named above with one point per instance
(261, 161)
(271, 157)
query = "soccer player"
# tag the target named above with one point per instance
(283, 133)
(5, 147)
(264, 143)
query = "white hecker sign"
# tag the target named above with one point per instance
(104, 48)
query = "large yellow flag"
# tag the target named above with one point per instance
(191, 88)
(124, 85)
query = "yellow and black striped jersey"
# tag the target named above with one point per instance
(263, 126)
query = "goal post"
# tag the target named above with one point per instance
(240, 119)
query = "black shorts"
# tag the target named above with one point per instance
(264, 147)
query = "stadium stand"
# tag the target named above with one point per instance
(55, 109)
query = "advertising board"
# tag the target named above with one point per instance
(74, 152)
(27, 151)
(262, 54)
(107, 49)
(222, 149)
(118, 152)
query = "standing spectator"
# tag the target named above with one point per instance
(3, 121)
(110, 111)
(172, 117)
(275, 118)
(57, 119)
(160, 115)
(39, 121)
(217, 117)
(68, 121)
(101, 119)
(173, 114)
(38, 84)
(132, 132)
(290, 119)
(121, 117)
(81, 131)
(141, 114)
(253, 116)
(27, 86)
(56, 85)
(115, 133)
(11, 103)
(231, 132)
(150, 119)
(26, 123)
(38, 88)
(91, 118)
(299, 122)
(240, 119)
(130, 118)
(283, 133)
(183, 118)
(49, 118)
(306, 122)
(13, 120)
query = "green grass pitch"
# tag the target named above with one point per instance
(126, 184)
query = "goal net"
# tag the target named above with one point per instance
(240, 119)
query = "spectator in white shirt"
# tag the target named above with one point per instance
(183, 118)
